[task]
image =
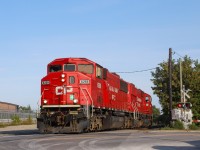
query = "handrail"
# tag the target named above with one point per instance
(39, 103)
(136, 112)
(87, 100)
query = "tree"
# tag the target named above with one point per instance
(25, 109)
(191, 80)
(156, 114)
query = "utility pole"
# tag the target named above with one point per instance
(170, 84)
(181, 81)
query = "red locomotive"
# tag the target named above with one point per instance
(79, 95)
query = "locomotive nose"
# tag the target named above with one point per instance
(60, 88)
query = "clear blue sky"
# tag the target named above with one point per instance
(121, 35)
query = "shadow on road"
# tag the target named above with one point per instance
(195, 145)
(20, 132)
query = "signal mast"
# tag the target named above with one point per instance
(183, 111)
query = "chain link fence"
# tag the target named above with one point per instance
(6, 116)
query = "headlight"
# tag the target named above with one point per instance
(45, 101)
(62, 75)
(75, 101)
(62, 80)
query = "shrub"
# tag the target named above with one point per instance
(193, 127)
(2, 125)
(15, 120)
(178, 125)
(28, 121)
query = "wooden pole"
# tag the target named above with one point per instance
(170, 84)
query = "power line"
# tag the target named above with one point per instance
(148, 69)
(177, 54)
(137, 71)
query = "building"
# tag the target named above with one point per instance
(4, 106)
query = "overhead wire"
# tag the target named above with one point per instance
(137, 71)
(178, 54)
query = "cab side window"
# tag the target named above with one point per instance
(86, 68)
(147, 99)
(99, 72)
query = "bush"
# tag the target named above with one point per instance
(2, 125)
(193, 127)
(28, 121)
(15, 120)
(166, 128)
(178, 125)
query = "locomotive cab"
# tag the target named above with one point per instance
(64, 83)
(65, 93)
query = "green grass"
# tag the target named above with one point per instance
(193, 126)
(17, 121)
(178, 125)
(167, 128)
(3, 125)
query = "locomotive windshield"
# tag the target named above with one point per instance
(55, 68)
(86, 68)
(69, 67)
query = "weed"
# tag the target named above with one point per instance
(15, 120)
(193, 127)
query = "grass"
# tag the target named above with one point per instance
(178, 125)
(3, 125)
(193, 126)
(17, 121)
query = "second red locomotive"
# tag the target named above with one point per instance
(79, 95)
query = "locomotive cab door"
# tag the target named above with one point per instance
(99, 86)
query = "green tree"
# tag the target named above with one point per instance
(156, 114)
(191, 80)
(26, 109)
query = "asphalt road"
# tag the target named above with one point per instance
(107, 140)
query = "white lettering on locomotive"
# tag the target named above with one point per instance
(60, 90)
(111, 88)
(114, 97)
(116, 90)
(84, 82)
(45, 82)
(138, 105)
(139, 99)
(69, 89)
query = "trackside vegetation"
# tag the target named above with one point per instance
(17, 121)
(191, 80)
